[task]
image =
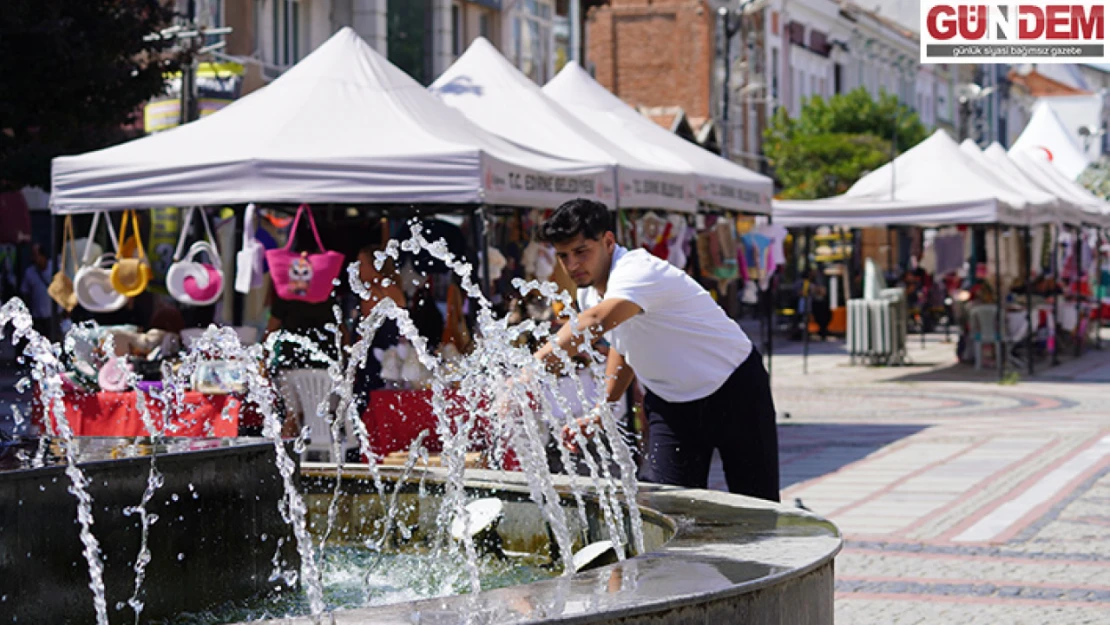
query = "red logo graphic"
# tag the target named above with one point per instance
(1015, 23)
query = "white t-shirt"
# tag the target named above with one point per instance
(683, 346)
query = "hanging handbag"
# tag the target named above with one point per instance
(61, 287)
(302, 276)
(131, 275)
(93, 281)
(189, 281)
(250, 262)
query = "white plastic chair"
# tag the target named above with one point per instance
(983, 323)
(308, 389)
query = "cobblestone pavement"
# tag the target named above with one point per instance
(962, 500)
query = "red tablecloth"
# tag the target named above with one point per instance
(115, 414)
(395, 418)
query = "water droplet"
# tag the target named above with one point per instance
(174, 497)
(180, 557)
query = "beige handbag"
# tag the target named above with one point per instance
(131, 275)
(61, 287)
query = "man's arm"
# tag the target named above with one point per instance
(598, 320)
(618, 376)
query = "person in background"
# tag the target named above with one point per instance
(819, 296)
(705, 382)
(35, 291)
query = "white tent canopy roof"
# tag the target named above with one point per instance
(720, 182)
(494, 94)
(1038, 169)
(1063, 209)
(1045, 133)
(932, 183)
(343, 125)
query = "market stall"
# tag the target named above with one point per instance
(934, 184)
(342, 128)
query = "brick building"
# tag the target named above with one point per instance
(655, 54)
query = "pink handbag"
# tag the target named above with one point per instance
(300, 275)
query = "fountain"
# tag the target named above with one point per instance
(226, 530)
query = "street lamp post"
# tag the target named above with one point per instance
(728, 31)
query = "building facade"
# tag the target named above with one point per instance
(422, 37)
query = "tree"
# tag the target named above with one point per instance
(1096, 178)
(834, 141)
(73, 75)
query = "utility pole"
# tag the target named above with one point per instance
(189, 68)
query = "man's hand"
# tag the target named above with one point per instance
(586, 426)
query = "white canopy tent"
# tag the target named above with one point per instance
(720, 182)
(494, 94)
(1063, 208)
(343, 125)
(933, 183)
(1047, 134)
(1036, 167)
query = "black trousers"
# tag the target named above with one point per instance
(738, 420)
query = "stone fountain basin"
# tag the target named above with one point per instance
(712, 557)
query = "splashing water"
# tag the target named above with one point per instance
(501, 388)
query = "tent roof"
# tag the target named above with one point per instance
(1036, 167)
(494, 94)
(932, 183)
(1046, 133)
(343, 125)
(1062, 208)
(720, 182)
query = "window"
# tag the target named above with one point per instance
(285, 26)
(457, 28)
(774, 73)
(533, 38)
(409, 37)
(483, 25)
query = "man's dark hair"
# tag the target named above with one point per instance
(580, 216)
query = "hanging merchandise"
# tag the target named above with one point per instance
(538, 260)
(250, 262)
(93, 281)
(302, 276)
(61, 287)
(188, 280)
(497, 263)
(131, 275)
(455, 331)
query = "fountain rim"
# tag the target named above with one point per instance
(654, 501)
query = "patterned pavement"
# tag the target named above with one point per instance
(962, 500)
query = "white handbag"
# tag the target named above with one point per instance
(93, 281)
(250, 262)
(190, 281)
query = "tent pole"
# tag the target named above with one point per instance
(54, 310)
(1054, 234)
(1029, 298)
(1098, 289)
(1075, 247)
(807, 302)
(480, 238)
(1000, 332)
(238, 299)
(770, 313)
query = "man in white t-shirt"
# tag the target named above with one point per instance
(705, 382)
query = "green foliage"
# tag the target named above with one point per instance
(72, 74)
(1096, 178)
(834, 141)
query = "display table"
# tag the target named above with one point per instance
(394, 418)
(115, 414)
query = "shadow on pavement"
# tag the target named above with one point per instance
(810, 450)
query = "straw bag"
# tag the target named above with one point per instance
(302, 276)
(250, 262)
(61, 287)
(131, 275)
(189, 281)
(93, 281)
